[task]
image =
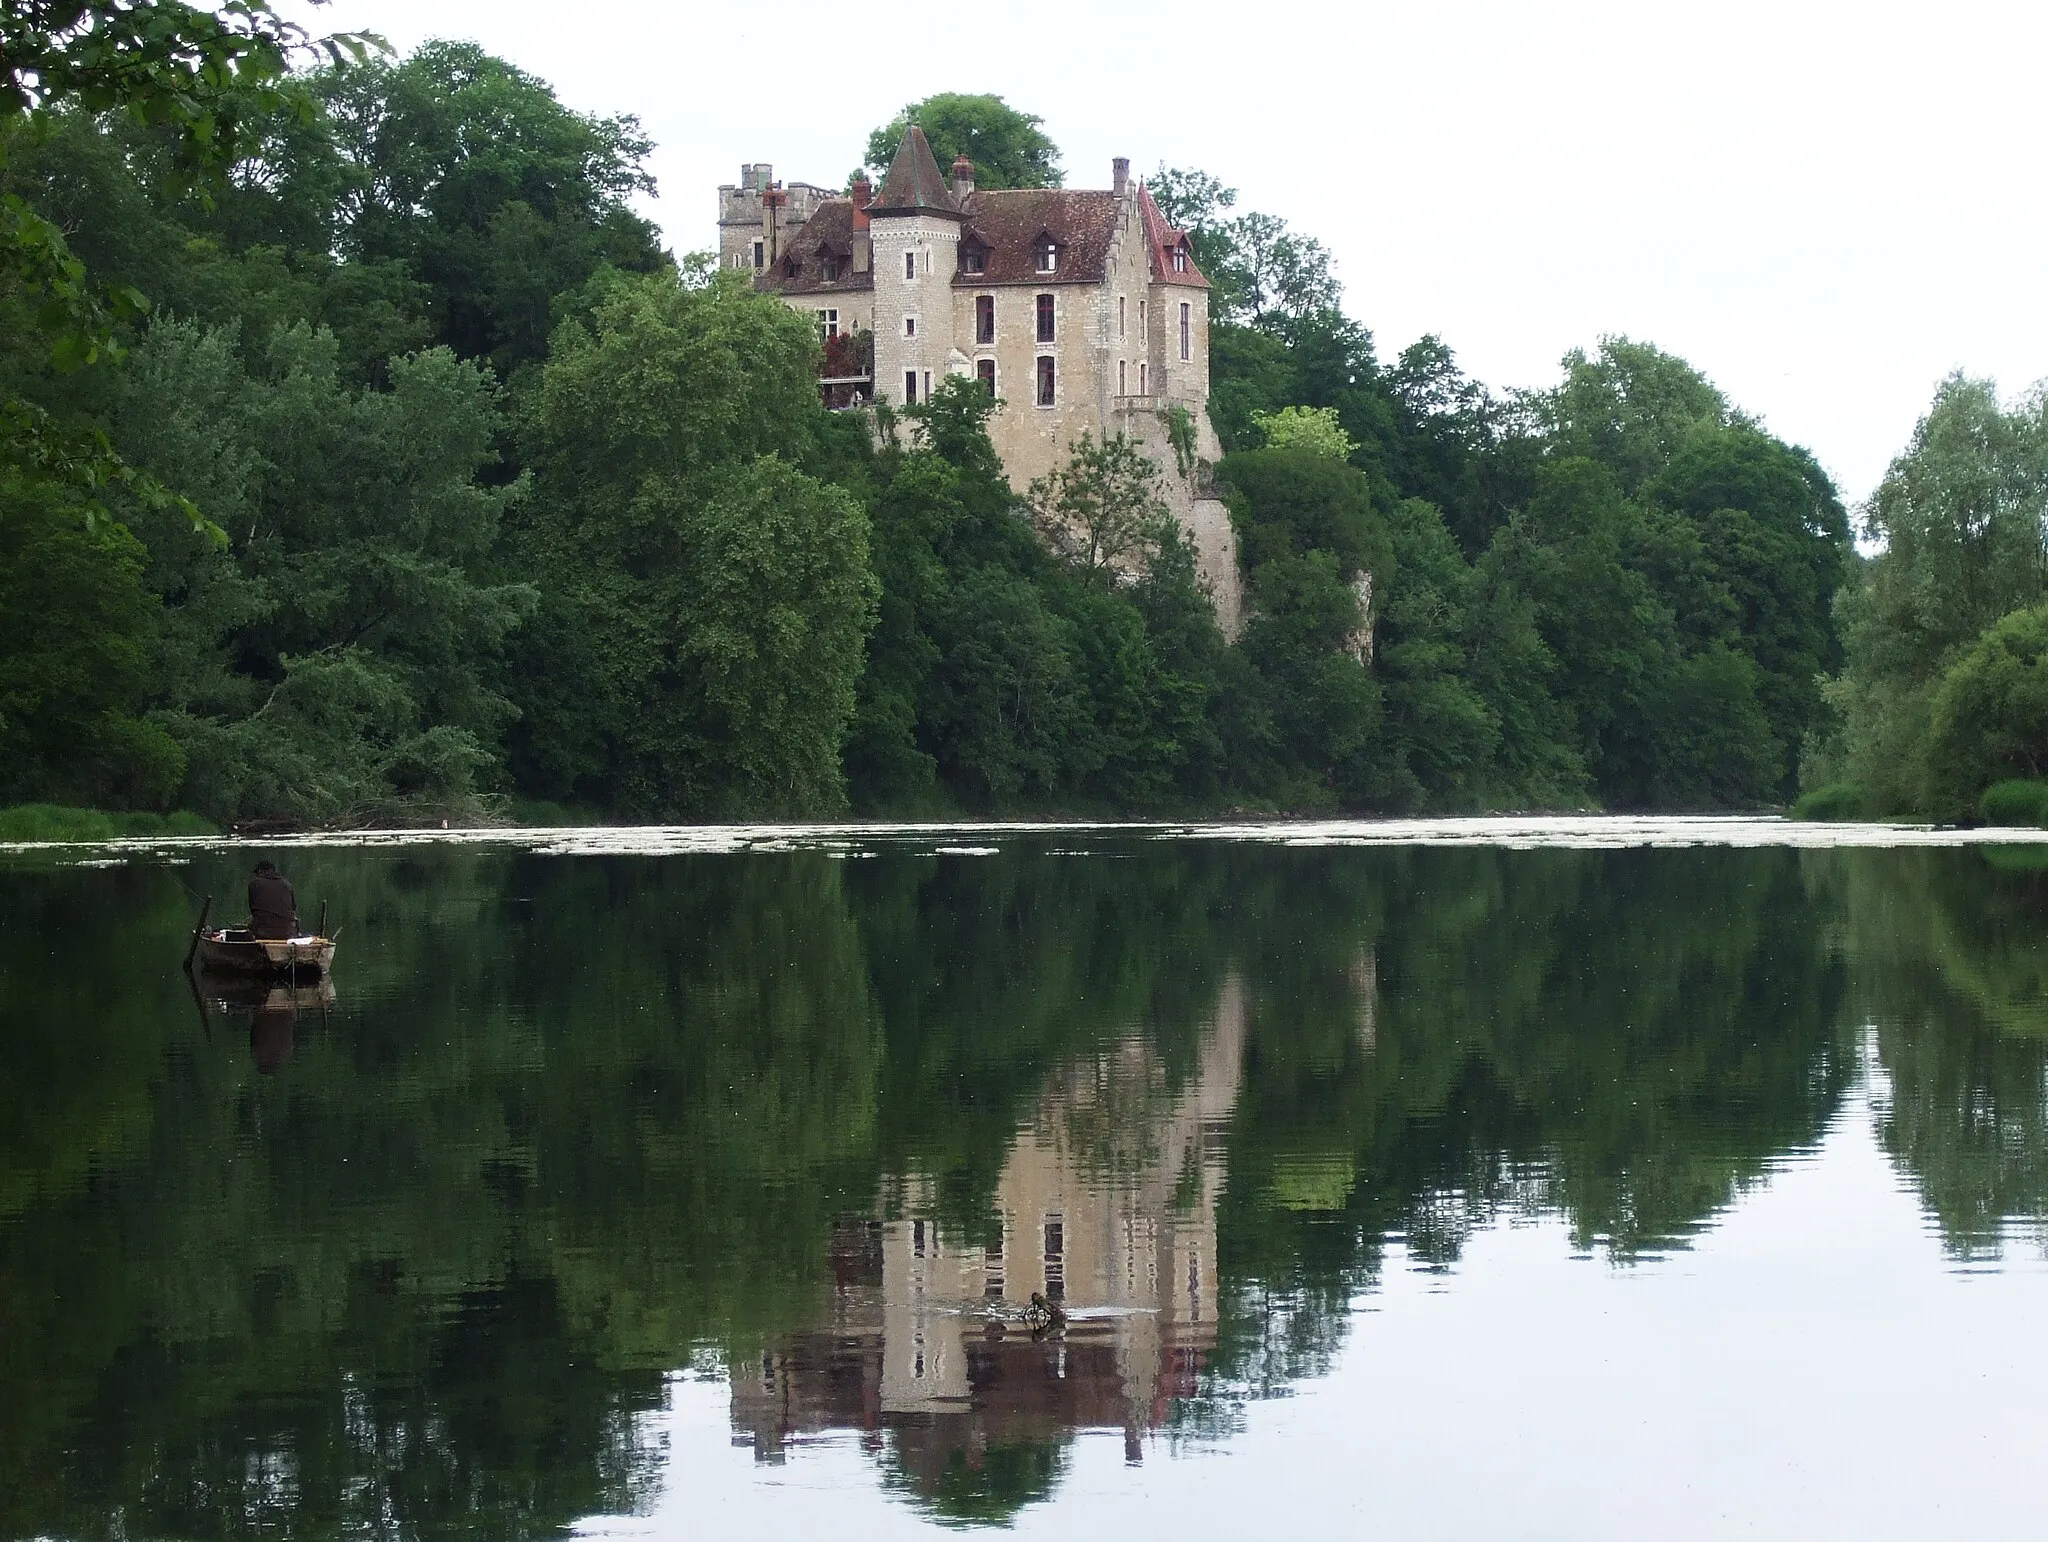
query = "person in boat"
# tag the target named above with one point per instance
(273, 908)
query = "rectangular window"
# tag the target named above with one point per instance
(1119, 318)
(973, 259)
(1141, 323)
(1048, 258)
(1122, 382)
(985, 372)
(910, 265)
(910, 326)
(1187, 330)
(910, 400)
(1144, 378)
(1045, 318)
(1046, 380)
(828, 323)
(927, 385)
(1180, 259)
(984, 318)
(760, 255)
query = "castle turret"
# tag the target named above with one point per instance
(914, 223)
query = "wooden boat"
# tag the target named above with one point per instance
(231, 950)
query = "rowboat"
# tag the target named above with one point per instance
(231, 950)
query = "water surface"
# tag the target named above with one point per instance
(1534, 1180)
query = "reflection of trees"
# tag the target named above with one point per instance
(1626, 1038)
(1951, 971)
(567, 1119)
(572, 1120)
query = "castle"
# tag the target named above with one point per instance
(1081, 310)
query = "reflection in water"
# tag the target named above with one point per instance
(823, 1127)
(272, 1009)
(1106, 1208)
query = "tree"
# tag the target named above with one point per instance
(1960, 514)
(76, 629)
(335, 660)
(1008, 147)
(199, 74)
(711, 600)
(494, 195)
(1990, 711)
(1259, 269)
(1102, 510)
(1292, 501)
(1772, 540)
(1631, 407)
(1314, 429)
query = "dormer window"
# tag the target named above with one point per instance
(1180, 259)
(1047, 253)
(973, 257)
(791, 267)
(831, 267)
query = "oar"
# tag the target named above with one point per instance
(204, 911)
(205, 1023)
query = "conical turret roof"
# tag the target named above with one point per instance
(914, 184)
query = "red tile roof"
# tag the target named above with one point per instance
(1163, 238)
(829, 229)
(1011, 222)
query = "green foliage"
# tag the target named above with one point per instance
(666, 582)
(1314, 429)
(1959, 515)
(1990, 711)
(2015, 801)
(330, 663)
(1102, 510)
(52, 822)
(495, 196)
(76, 627)
(1260, 270)
(1838, 802)
(1631, 407)
(708, 603)
(199, 76)
(1008, 147)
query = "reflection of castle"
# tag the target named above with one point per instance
(1107, 1205)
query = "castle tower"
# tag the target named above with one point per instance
(915, 224)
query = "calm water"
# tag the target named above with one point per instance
(1440, 1191)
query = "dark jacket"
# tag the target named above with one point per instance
(273, 908)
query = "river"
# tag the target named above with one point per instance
(1576, 1178)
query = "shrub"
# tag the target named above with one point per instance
(40, 822)
(1836, 802)
(2019, 801)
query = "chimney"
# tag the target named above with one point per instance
(863, 243)
(963, 176)
(1120, 175)
(772, 200)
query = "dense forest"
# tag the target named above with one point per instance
(368, 459)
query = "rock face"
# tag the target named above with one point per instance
(1081, 309)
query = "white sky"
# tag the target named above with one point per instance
(1824, 206)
